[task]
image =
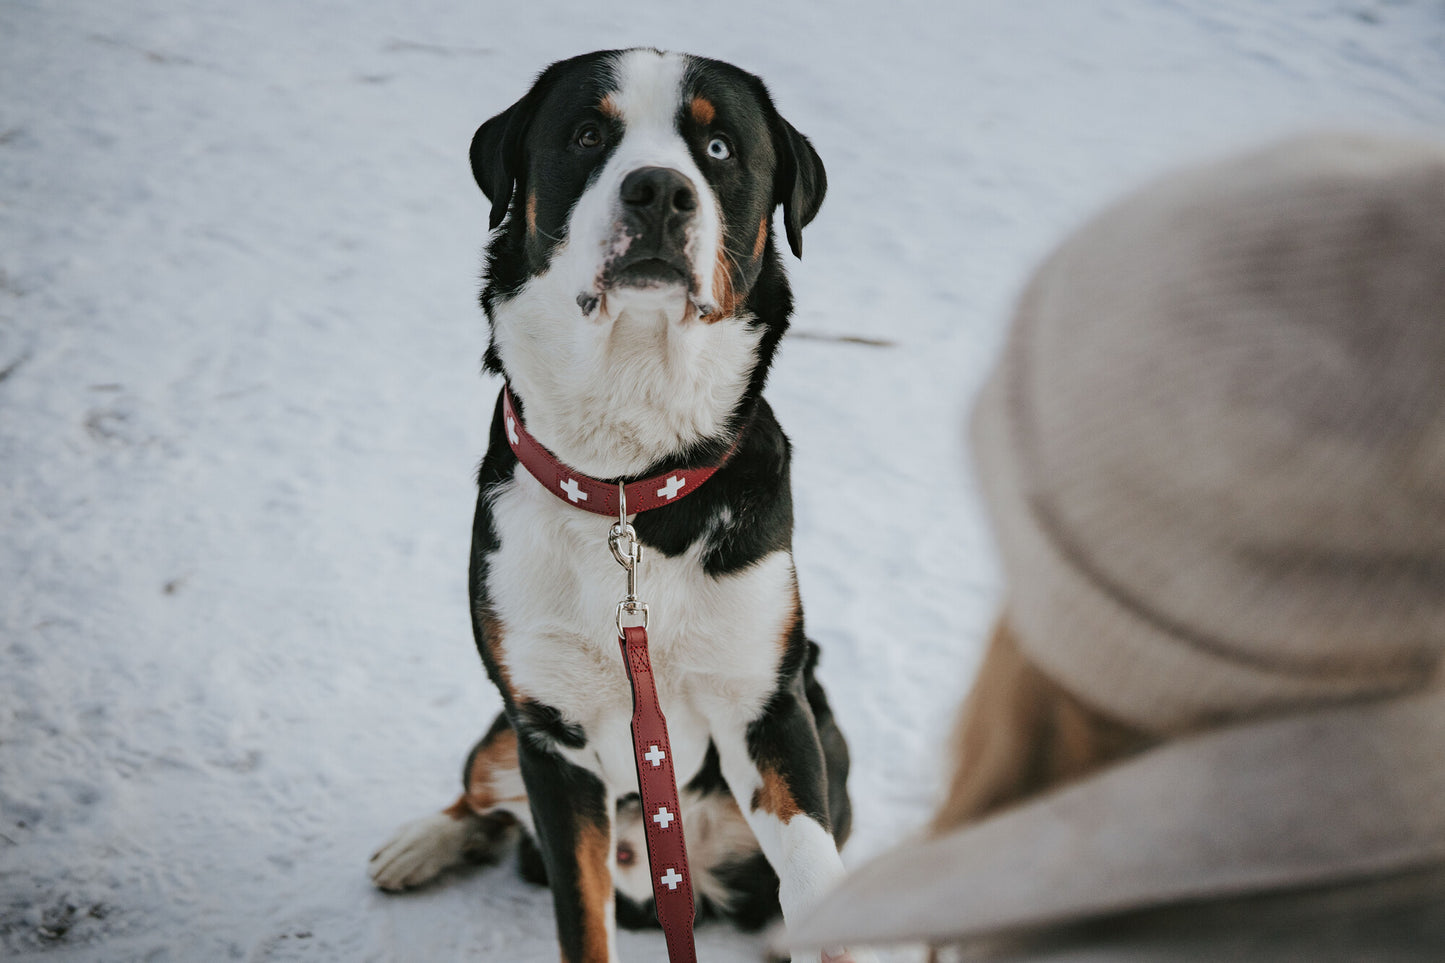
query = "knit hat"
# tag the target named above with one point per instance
(1214, 453)
(1214, 447)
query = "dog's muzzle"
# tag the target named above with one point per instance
(657, 210)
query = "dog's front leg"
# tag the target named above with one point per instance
(775, 768)
(573, 812)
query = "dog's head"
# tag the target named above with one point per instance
(638, 179)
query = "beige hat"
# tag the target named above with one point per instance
(1214, 448)
(1214, 454)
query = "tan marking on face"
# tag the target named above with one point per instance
(594, 887)
(762, 242)
(609, 107)
(532, 214)
(703, 111)
(775, 798)
(722, 287)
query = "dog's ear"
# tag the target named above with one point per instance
(801, 181)
(497, 156)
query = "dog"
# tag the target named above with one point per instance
(636, 298)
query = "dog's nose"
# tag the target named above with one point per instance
(658, 192)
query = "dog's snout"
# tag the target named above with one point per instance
(659, 192)
(659, 211)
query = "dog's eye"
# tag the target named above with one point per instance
(719, 149)
(588, 136)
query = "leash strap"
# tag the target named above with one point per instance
(651, 751)
(666, 848)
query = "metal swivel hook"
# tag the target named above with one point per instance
(627, 549)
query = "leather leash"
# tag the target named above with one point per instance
(651, 751)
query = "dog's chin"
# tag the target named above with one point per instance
(649, 285)
(648, 274)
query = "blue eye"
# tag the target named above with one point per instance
(719, 149)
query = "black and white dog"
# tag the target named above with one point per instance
(636, 300)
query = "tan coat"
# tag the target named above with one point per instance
(1328, 822)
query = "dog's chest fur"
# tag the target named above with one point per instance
(612, 395)
(715, 641)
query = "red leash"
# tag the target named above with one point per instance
(666, 848)
(651, 751)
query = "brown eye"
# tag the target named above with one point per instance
(625, 855)
(588, 136)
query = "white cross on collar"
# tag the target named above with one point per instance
(672, 877)
(654, 755)
(662, 817)
(574, 491)
(672, 487)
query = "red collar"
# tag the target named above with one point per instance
(598, 497)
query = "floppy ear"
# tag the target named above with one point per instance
(497, 155)
(801, 182)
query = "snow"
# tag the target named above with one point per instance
(240, 407)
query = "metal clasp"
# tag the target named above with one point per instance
(627, 549)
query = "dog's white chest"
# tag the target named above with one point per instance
(714, 642)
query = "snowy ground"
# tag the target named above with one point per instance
(240, 408)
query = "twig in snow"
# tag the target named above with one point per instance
(154, 56)
(444, 50)
(843, 339)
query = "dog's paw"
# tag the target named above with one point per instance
(775, 940)
(421, 851)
